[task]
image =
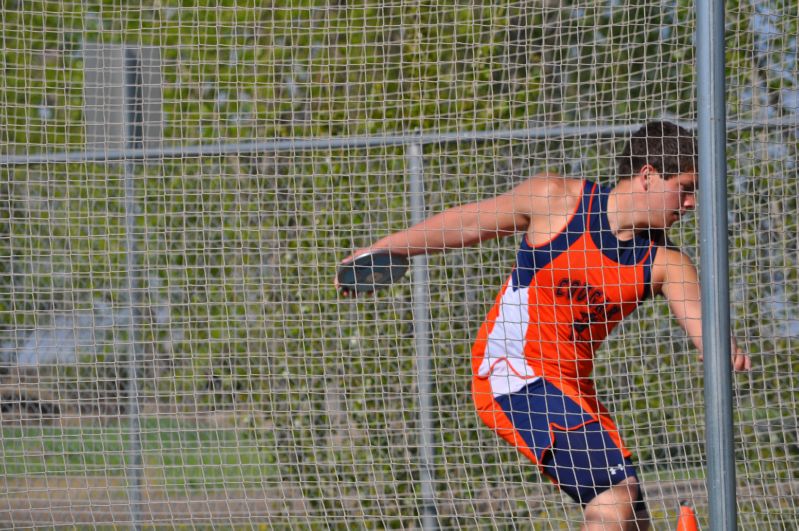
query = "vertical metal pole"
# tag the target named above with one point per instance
(715, 269)
(133, 124)
(421, 326)
(134, 465)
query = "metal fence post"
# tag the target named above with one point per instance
(421, 327)
(123, 112)
(715, 267)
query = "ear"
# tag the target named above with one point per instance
(645, 175)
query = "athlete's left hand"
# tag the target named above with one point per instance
(740, 360)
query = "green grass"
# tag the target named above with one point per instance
(676, 474)
(177, 456)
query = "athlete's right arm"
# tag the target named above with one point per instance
(469, 224)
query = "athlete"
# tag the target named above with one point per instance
(590, 255)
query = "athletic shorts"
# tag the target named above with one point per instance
(568, 443)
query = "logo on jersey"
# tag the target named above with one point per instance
(597, 308)
(614, 469)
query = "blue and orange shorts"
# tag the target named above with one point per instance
(581, 455)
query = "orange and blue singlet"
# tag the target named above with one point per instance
(562, 299)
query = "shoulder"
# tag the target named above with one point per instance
(547, 192)
(671, 265)
(551, 185)
(669, 255)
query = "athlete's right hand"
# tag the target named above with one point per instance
(348, 259)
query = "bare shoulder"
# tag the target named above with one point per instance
(672, 266)
(547, 194)
(668, 256)
(547, 201)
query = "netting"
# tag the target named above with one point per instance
(173, 349)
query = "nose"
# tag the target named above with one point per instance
(689, 201)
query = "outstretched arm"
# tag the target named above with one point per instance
(460, 226)
(679, 283)
(469, 224)
(456, 227)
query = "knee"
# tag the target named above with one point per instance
(619, 507)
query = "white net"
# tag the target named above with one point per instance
(173, 349)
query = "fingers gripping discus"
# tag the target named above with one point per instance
(371, 271)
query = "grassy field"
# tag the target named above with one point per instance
(196, 470)
(177, 456)
(193, 472)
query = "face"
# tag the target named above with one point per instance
(670, 198)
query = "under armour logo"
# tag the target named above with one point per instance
(614, 469)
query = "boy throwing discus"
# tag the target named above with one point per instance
(589, 256)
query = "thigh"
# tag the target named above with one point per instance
(569, 443)
(585, 462)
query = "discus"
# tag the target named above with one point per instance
(371, 271)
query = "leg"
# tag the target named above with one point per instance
(590, 469)
(615, 509)
(573, 449)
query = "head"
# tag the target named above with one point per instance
(668, 148)
(661, 160)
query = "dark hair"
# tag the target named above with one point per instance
(667, 147)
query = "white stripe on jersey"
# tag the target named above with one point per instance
(504, 361)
